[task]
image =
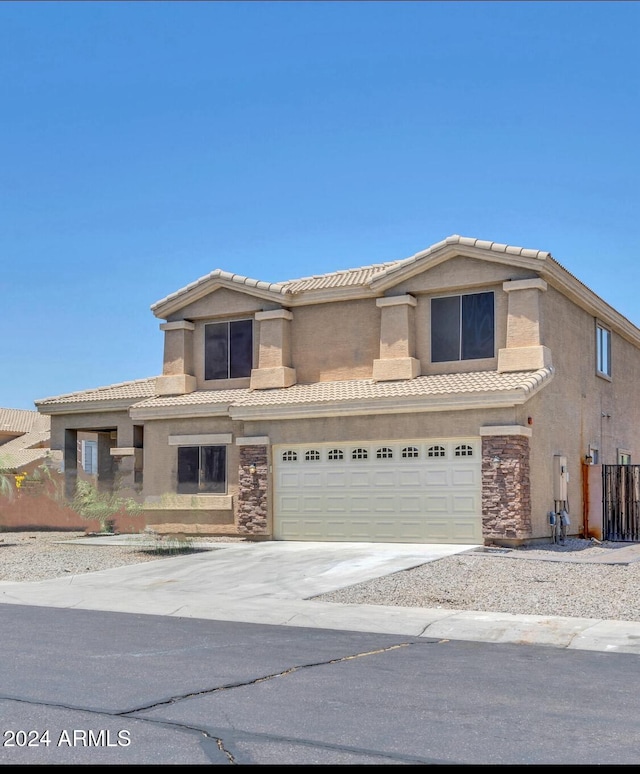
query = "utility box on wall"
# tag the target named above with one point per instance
(560, 477)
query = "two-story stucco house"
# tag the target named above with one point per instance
(452, 396)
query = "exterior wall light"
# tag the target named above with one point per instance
(252, 469)
(588, 459)
(495, 462)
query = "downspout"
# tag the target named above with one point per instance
(585, 499)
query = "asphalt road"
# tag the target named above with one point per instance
(96, 687)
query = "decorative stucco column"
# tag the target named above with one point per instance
(506, 488)
(397, 340)
(253, 508)
(274, 351)
(524, 350)
(70, 462)
(177, 370)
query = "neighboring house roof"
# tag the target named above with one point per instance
(20, 421)
(16, 459)
(31, 444)
(36, 439)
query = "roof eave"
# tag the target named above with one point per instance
(428, 259)
(180, 412)
(88, 406)
(414, 404)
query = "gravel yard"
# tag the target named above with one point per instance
(552, 580)
(35, 556)
(562, 580)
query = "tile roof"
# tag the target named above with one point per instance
(134, 390)
(360, 389)
(198, 398)
(335, 279)
(360, 276)
(239, 279)
(32, 440)
(21, 457)
(22, 420)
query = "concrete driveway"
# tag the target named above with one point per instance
(272, 582)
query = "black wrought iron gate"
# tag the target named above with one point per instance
(621, 502)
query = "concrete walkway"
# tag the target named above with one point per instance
(270, 583)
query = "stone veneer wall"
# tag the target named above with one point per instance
(506, 490)
(251, 516)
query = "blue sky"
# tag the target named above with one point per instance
(145, 144)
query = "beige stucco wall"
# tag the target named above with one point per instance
(220, 303)
(335, 341)
(118, 421)
(161, 469)
(341, 340)
(456, 274)
(567, 413)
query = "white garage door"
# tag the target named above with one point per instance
(426, 491)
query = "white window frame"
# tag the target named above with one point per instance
(603, 350)
(624, 457)
(90, 457)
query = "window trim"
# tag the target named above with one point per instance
(228, 323)
(603, 329)
(198, 493)
(623, 453)
(89, 456)
(460, 296)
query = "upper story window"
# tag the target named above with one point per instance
(603, 350)
(202, 470)
(462, 327)
(228, 349)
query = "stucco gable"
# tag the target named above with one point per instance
(176, 302)
(221, 301)
(454, 247)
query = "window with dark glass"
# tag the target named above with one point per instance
(462, 327)
(202, 470)
(228, 349)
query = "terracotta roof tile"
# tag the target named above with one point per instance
(361, 276)
(360, 389)
(32, 440)
(137, 389)
(21, 457)
(21, 420)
